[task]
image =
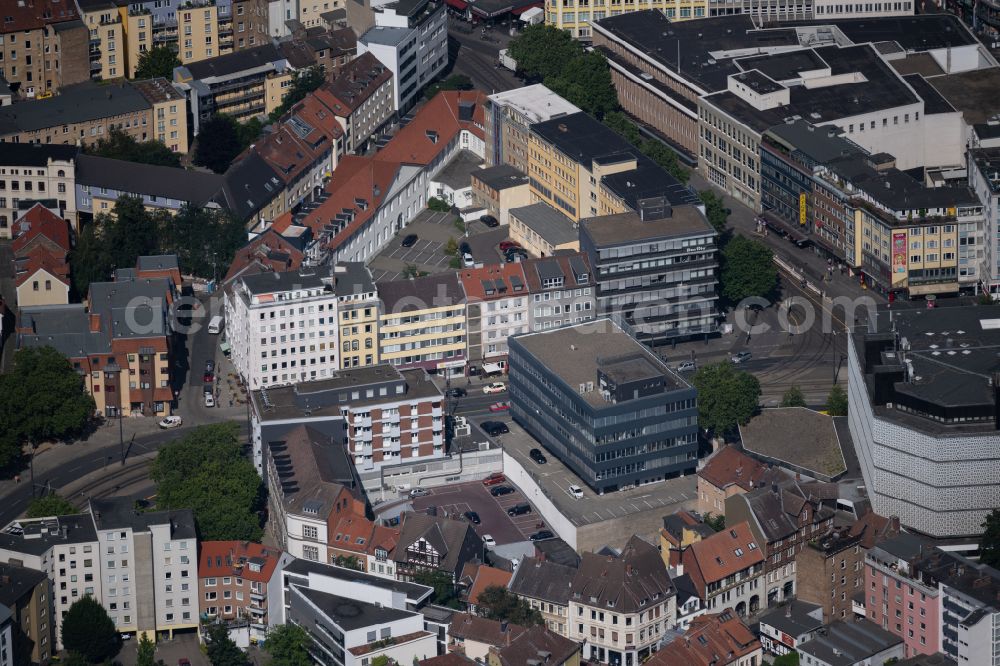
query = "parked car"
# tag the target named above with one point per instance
(741, 357)
(519, 509)
(419, 492)
(542, 535)
(472, 517)
(494, 428)
(468, 261)
(500, 491)
(210, 366)
(410, 240)
(208, 378)
(489, 541)
(508, 244)
(209, 400)
(465, 248)
(804, 243)
(490, 221)
(183, 661)
(494, 387)
(686, 366)
(457, 393)
(499, 406)
(537, 456)
(510, 253)
(576, 491)
(171, 422)
(494, 478)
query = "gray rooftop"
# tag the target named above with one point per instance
(36, 536)
(120, 512)
(35, 154)
(625, 228)
(274, 282)
(132, 308)
(794, 618)
(457, 173)
(544, 580)
(387, 36)
(234, 63)
(777, 435)
(847, 643)
(352, 277)
(157, 262)
(66, 328)
(196, 187)
(414, 593)
(16, 582)
(501, 177)
(815, 145)
(551, 226)
(350, 614)
(74, 104)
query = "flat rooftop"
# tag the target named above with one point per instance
(624, 228)
(501, 177)
(973, 93)
(802, 438)
(536, 102)
(576, 353)
(551, 226)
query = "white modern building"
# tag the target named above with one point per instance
(984, 179)
(411, 39)
(283, 327)
(509, 114)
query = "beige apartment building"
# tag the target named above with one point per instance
(43, 47)
(198, 33)
(106, 32)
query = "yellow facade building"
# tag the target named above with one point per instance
(575, 15)
(108, 58)
(198, 33)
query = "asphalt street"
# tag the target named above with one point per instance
(471, 54)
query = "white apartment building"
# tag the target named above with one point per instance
(282, 327)
(412, 44)
(66, 549)
(32, 171)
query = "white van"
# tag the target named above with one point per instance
(215, 325)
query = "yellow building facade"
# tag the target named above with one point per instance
(108, 58)
(575, 15)
(198, 33)
(359, 326)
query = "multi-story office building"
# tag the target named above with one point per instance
(497, 304)
(66, 550)
(411, 39)
(925, 446)
(541, 229)
(27, 595)
(727, 570)
(609, 408)
(379, 414)
(562, 290)
(499, 189)
(283, 327)
(361, 98)
(86, 113)
(423, 324)
(575, 17)
(36, 172)
(655, 269)
(237, 582)
(509, 117)
(620, 607)
(43, 46)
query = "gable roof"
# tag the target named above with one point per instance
(627, 583)
(444, 535)
(237, 558)
(722, 554)
(470, 627)
(730, 466)
(40, 221)
(267, 252)
(313, 470)
(776, 509)
(40, 259)
(711, 639)
(356, 82)
(486, 577)
(542, 579)
(248, 185)
(493, 282)
(537, 645)
(435, 125)
(195, 187)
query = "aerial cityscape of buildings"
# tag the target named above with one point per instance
(442, 332)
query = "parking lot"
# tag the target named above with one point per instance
(455, 500)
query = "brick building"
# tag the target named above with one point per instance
(830, 571)
(235, 583)
(726, 570)
(729, 472)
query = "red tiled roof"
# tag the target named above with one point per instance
(709, 638)
(715, 557)
(235, 556)
(356, 82)
(348, 531)
(40, 259)
(487, 576)
(439, 119)
(383, 537)
(731, 466)
(40, 221)
(267, 252)
(35, 14)
(472, 281)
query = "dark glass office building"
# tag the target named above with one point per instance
(603, 404)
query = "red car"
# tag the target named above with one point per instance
(494, 478)
(499, 406)
(508, 244)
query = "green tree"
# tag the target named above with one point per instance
(621, 123)
(287, 644)
(42, 398)
(543, 51)
(836, 401)
(497, 603)
(305, 81)
(747, 270)
(715, 210)
(586, 82)
(218, 143)
(87, 629)
(793, 397)
(222, 651)
(441, 582)
(665, 157)
(248, 132)
(52, 504)
(381, 660)
(121, 146)
(438, 205)
(157, 61)
(790, 659)
(716, 522)
(727, 397)
(451, 247)
(205, 241)
(147, 652)
(989, 545)
(207, 472)
(453, 82)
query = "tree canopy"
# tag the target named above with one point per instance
(444, 587)
(453, 82)
(790, 659)
(52, 504)
(222, 651)
(498, 603)
(42, 398)
(716, 521)
(715, 210)
(793, 397)
(747, 270)
(287, 645)
(305, 81)
(88, 631)
(836, 401)
(727, 397)
(146, 653)
(207, 472)
(218, 143)
(651, 148)
(157, 61)
(121, 146)
(989, 546)
(586, 82)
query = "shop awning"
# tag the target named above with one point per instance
(940, 288)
